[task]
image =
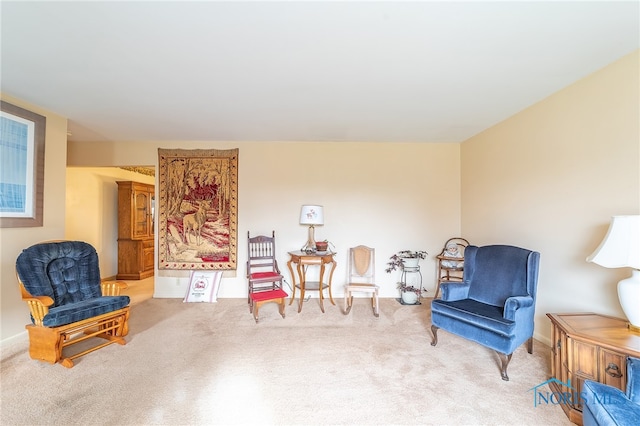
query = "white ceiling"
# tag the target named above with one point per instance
(296, 71)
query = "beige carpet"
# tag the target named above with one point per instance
(200, 364)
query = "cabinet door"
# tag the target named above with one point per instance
(147, 254)
(612, 370)
(585, 360)
(141, 214)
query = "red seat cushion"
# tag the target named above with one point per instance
(268, 295)
(261, 275)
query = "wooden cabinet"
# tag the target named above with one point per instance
(136, 208)
(587, 346)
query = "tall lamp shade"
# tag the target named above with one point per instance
(311, 215)
(621, 249)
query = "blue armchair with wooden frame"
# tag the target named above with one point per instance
(60, 281)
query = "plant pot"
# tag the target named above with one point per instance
(322, 246)
(409, 297)
(410, 262)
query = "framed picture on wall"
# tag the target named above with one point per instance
(22, 138)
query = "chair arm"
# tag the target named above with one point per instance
(633, 379)
(454, 290)
(604, 405)
(39, 307)
(441, 257)
(512, 304)
(112, 288)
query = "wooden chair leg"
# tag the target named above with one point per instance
(348, 302)
(530, 345)
(504, 363)
(45, 344)
(434, 331)
(375, 305)
(437, 290)
(256, 307)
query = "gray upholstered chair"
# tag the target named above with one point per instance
(60, 281)
(495, 303)
(605, 405)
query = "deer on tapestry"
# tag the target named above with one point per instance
(195, 221)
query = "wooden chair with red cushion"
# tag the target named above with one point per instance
(263, 274)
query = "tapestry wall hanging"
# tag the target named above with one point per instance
(198, 209)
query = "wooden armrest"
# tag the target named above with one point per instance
(39, 307)
(113, 288)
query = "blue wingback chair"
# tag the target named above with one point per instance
(605, 405)
(495, 303)
(60, 281)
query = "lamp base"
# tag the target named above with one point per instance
(629, 295)
(310, 246)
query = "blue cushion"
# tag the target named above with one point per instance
(73, 312)
(66, 271)
(497, 273)
(476, 313)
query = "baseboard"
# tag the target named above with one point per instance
(543, 339)
(14, 343)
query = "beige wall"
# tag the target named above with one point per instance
(391, 197)
(14, 313)
(92, 210)
(550, 178)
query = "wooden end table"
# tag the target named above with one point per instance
(588, 346)
(302, 260)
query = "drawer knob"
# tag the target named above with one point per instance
(613, 370)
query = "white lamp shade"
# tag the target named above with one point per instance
(312, 215)
(621, 246)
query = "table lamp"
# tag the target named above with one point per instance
(312, 216)
(621, 249)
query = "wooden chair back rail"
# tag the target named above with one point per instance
(261, 250)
